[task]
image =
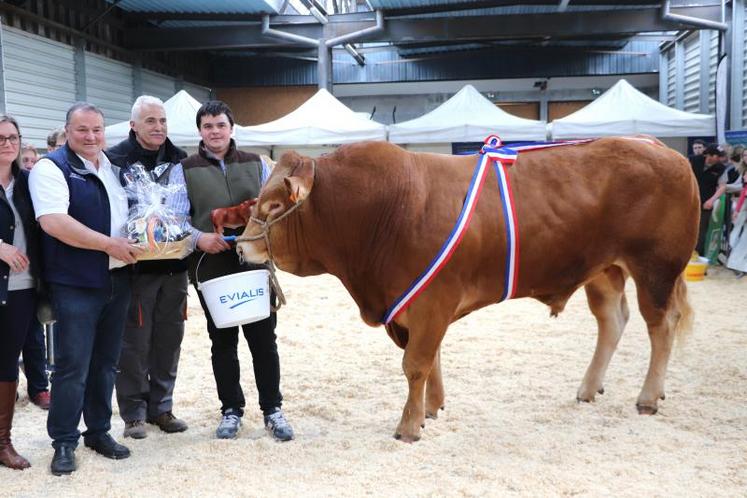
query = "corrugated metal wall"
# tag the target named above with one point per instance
(109, 85)
(39, 83)
(158, 85)
(691, 77)
(692, 73)
(712, 66)
(671, 79)
(200, 93)
(744, 75)
(384, 64)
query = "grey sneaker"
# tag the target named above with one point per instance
(278, 426)
(229, 425)
(135, 429)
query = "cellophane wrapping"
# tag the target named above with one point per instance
(151, 222)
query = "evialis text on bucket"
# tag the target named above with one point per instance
(242, 297)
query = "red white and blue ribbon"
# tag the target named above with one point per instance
(447, 249)
(502, 158)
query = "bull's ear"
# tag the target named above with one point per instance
(300, 181)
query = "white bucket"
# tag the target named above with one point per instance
(237, 299)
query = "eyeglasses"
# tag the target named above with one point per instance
(13, 139)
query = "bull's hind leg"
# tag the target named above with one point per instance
(434, 389)
(606, 297)
(663, 304)
(425, 335)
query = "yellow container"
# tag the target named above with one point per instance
(696, 269)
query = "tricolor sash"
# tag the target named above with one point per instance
(502, 158)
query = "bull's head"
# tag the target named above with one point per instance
(287, 188)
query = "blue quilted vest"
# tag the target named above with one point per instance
(89, 204)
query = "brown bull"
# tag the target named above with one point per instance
(589, 216)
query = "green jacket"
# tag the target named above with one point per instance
(208, 188)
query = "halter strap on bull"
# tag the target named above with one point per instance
(502, 158)
(265, 225)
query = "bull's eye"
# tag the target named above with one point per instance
(275, 206)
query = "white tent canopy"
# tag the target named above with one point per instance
(181, 112)
(623, 110)
(466, 117)
(321, 120)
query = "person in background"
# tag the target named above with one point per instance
(82, 210)
(698, 148)
(56, 139)
(155, 326)
(732, 178)
(29, 156)
(220, 175)
(708, 169)
(34, 354)
(734, 174)
(19, 264)
(738, 239)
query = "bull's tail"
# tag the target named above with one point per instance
(683, 312)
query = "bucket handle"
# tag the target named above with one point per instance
(274, 282)
(197, 270)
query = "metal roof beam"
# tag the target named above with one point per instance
(189, 16)
(420, 30)
(562, 24)
(484, 4)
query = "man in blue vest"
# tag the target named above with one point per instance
(82, 209)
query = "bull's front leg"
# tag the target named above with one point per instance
(420, 354)
(434, 389)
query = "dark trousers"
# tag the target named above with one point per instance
(263, 346)
(151, 345)
(15, 317)
(89, 328)
(35, 359)
(705, 218)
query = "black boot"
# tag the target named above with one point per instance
(63, 461)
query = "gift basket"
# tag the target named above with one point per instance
(151, 222)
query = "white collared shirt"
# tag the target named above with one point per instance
(51, 195)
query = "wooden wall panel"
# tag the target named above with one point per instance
(257, 105)
(557, 110)
(528, 110)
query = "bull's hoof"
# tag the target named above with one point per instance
(646, 409)
(433, 414)
(588, 395)
(405, 438)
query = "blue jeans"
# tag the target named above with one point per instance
(89, 328)
(35, 359)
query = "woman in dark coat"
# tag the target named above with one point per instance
(19, 265)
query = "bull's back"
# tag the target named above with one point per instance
(582, 208)
(579, 209)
